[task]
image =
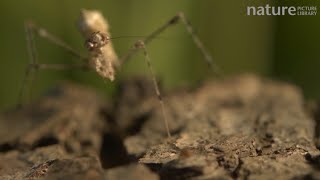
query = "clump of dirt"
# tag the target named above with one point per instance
(241, 127)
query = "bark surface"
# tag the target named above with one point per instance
(235, 128)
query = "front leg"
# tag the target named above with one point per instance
(179, 17)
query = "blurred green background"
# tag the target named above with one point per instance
(283, 47)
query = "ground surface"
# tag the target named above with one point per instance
(234, 128)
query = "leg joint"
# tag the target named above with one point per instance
(34, 66)
(176, 18)
(29, 24)
(139, 44)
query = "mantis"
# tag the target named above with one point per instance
(102, 58)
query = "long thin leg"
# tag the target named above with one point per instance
(31, 29)
(43, 33)
(37, 67)
(190, 30)
(141, 45)
(61, 66)
(199, 44)
(32, 60)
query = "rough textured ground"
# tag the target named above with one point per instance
(234, 128)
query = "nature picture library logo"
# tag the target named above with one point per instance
(269, 10)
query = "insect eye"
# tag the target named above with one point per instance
(96, 40)
(90, 45)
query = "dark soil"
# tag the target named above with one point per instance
(234, 128)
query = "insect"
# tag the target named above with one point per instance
(102, 58)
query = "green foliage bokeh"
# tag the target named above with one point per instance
(283, 47)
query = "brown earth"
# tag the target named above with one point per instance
(234, 128)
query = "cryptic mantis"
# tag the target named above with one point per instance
(102, 58)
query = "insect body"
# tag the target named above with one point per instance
(102, 57)
(95, 30)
